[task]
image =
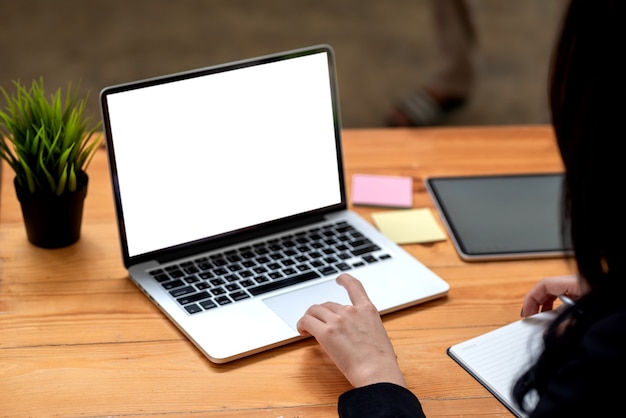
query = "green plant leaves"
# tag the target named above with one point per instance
(46, 141)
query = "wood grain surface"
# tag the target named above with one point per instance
(77, 338)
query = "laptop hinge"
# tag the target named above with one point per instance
(257, 232)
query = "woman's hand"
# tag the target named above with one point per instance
(542, 295)
(354, 337)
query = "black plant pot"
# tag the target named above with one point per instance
(53, 221)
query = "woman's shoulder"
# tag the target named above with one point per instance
(611, 321)
(608, 335)
(580, 387)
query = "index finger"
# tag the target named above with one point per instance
(355, 289)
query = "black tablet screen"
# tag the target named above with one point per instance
(502, 216)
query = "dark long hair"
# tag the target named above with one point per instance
(587, 93)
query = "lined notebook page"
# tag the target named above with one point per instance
(496, 359)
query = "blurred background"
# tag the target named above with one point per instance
(384, 49)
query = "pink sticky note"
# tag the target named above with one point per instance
(377, 190)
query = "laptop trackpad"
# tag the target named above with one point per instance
(291, 306)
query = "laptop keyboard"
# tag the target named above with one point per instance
(234, 275)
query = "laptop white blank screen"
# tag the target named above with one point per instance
(207, 155)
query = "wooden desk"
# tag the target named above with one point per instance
(77, 338)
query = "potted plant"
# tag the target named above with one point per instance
(48, 142)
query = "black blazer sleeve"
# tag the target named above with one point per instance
(380, 400)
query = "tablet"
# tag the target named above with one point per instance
(502, 216)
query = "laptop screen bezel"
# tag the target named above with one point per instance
(221, 240)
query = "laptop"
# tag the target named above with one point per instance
(231, 203)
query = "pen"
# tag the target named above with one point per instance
(566, 300)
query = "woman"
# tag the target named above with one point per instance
(580, 371)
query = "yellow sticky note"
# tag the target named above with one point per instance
(409, 226)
